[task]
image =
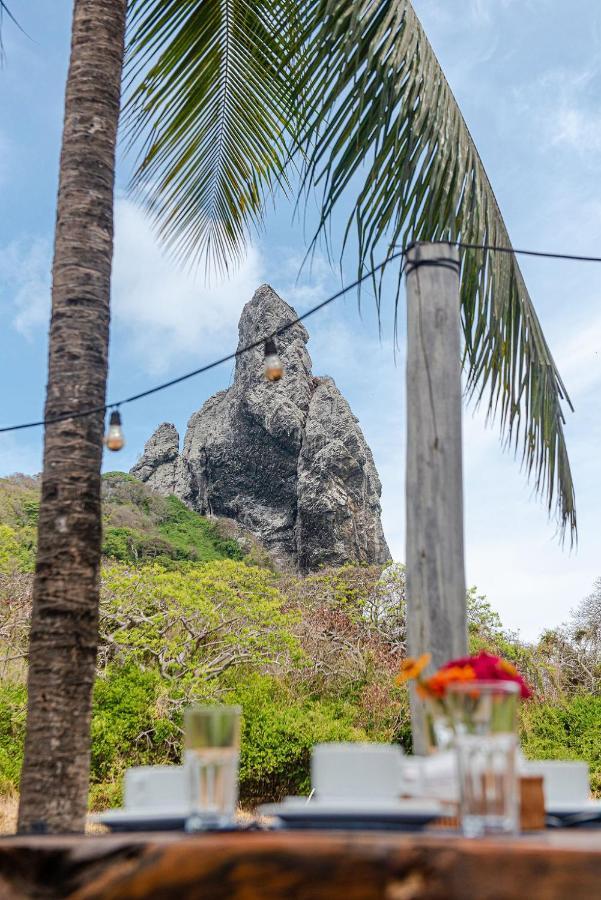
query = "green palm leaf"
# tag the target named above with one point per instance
(220, 87)
(383, 117)
(210, 100)
(4, 9)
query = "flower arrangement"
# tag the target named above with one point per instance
(481, 667)
(446, 711)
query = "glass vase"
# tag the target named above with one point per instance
(484, 716)
(440, 731)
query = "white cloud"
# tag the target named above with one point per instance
(530, 581)
(167, 311)
(577, 128)
(563, 107)
(25, 273)
(482, 11)
(579, 358)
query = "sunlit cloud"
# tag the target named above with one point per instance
(25, 283)
(168, 312)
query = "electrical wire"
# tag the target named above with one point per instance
(252, 346)
(212, 365)
(540, 253)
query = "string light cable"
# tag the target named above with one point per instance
(268, 342)
(264, 342)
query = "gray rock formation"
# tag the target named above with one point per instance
(157, 465)
(286, 459)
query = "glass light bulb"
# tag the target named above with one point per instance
(114, 439)
(273, 364)
(273, 367)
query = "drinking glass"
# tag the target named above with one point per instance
(211, 756)
(484, 715)
(440, 733)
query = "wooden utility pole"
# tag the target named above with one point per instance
(436, 601)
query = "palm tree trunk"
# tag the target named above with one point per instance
(64, 627)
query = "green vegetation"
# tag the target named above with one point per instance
(186, 616)
(138, 526)
(570, 729)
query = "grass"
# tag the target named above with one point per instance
(9, 804)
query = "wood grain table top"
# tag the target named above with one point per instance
(552, 865)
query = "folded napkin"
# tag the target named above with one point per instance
(431, 776)
(436, 776)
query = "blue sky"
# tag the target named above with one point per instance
(527, 75)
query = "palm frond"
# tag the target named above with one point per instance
(383, 117)
(5, 10)
(210, 103)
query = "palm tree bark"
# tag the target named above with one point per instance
(64, 627)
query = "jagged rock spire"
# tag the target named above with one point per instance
(157, 465)
(287, 460)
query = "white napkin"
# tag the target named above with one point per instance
(431, 776)
(436, 776)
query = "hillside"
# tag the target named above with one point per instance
(138, 525)
(190, 613)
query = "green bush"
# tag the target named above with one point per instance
(13, 699)
(141, 526)
(19, 500)
(129, 545)
(279, 732)
(571, 730)
(194, 537)
(17, 549)
(195, 624)
(120, 476)
(130, 726)
(186, 617)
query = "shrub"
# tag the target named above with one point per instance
(194, 536)
(195, 623)
(570, 730)
(13, 698)
(185, 618)
(130, 726)
(17, 549)
(129, 545)
(279, 731)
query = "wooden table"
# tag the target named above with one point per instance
(303, 866)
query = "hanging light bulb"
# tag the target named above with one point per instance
(114, 439)
(273, 364)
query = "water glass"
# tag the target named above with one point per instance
(211, 757)
(484, 717)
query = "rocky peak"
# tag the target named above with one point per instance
(287, 460)
(158, 463)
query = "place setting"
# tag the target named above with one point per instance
(356, 786)
(473, 779)
(566, 786)
(200, 795)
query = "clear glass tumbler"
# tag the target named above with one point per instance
(484, 716)
(211, 757)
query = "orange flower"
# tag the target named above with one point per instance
(412, 668)
(436, 686)
(507, 667)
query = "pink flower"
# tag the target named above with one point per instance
(492, 668)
